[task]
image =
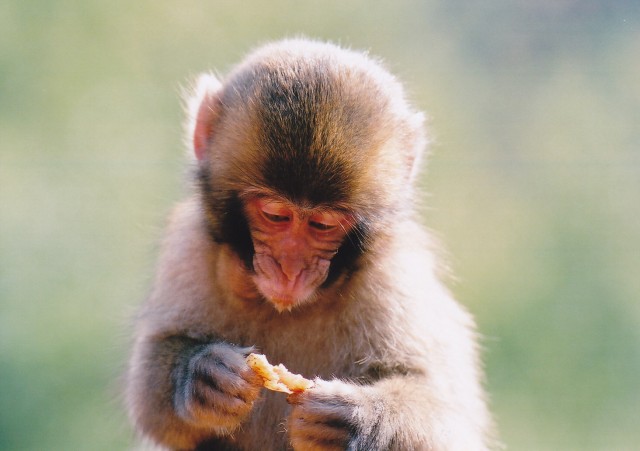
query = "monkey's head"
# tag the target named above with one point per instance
(306, 153)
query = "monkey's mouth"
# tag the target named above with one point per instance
(285, 296)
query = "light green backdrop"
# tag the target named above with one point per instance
(533, 188)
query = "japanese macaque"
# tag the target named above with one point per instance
(301, 242)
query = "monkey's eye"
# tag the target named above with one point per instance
(325, 221)
(275, 218)
(275, 212)
(322, 226)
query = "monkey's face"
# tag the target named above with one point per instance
(293, 247)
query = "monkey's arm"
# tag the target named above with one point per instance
(183, 384)
(422, 392)
(182, 391)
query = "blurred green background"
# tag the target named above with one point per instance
(533, 187)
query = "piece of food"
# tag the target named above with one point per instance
(277, 378)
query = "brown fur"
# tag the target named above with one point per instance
(395, 356)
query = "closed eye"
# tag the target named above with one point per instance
(322, 226)
(275, 218)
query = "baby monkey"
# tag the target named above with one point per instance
(301, 242)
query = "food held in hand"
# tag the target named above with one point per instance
(278, 377)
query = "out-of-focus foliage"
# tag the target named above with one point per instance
(534, 189)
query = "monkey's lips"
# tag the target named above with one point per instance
(285, 295)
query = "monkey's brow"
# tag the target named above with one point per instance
(340, 207)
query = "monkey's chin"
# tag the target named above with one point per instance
(287, 301)
(283, 304)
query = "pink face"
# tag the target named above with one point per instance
(293, 248)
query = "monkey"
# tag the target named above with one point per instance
(300, 238)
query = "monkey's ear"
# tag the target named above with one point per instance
(418, 145)
(203, 109)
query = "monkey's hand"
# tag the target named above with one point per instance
(214, 387)
(336, 415)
